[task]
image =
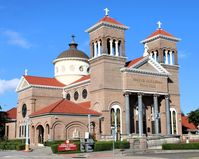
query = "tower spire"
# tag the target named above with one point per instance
(159, 25)
(73, 44)
(106, 11)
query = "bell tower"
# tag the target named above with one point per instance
(107, 37)
(107, 57)
(161, 45)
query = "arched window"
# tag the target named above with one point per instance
(173, 119)
(76, 95)
(24, 110)
(112, 117)
(120, 47)
(115, 123)
(84, 93)
(68, 96)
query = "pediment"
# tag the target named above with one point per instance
(148, 65)
(23, 84)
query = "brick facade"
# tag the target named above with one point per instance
(113, 89)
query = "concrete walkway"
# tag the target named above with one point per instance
(45, 153)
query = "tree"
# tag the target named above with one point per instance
(193, 117)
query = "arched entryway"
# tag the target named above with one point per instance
(116, 127)
(40, 132)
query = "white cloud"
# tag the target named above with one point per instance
(7, 85)
(15, 38)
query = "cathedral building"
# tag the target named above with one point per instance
(104, 94)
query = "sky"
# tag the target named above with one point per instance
(34, 32)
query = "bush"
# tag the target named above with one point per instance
(122, 144)
(2, 147)
(12, 144)
(49, 143)
(108, 145)
(103, 145)
(54, 148)
(180, 146)
(20, 147)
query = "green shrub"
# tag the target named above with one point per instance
(54, 148)
(20, 147)
(122, 144)
(12, 144)
(103, 145)
(108, 145)
(180, 146)
(2, 147)
(49, 143)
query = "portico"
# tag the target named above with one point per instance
(143, 112)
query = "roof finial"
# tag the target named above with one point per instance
(73, 38)
(159, 24)
(26, 72)
(106, 11)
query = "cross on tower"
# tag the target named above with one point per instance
(106, 11)
(73, 38)
(159, 24)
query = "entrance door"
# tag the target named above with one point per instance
(40, 130)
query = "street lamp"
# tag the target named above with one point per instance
(27, 121)
(113, 130)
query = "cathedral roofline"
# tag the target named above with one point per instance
(160, 33)
(109, 22)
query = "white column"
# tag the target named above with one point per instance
(89, 123)
(111, 47)
(116, 48)
(151, 55)
(127, 114)
(99, 49)
(155, 55)
(95, 49)
(27, 134)
(115, 117)
(155, 101)
(167, 105)
(140, 114)
(166, 57)
(171, 57)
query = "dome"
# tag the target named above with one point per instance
(73, 52)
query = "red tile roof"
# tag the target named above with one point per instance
(12, 113)
(82, 79)
(187, 124)
(110, 20)
(131, 63)
(85, 104)
(43, 81)
(65, 107)
(160, 32)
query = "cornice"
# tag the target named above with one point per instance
(99, 24)
(160, 36)
(133, 70)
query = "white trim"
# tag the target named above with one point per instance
(70, 58)
(78, 83)
(19, 86)
(134, 68)
(172, 128)
(160, 36)
(115, 107)
(113, 56)
(101, 23)
(144, 92)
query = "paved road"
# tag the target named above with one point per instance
(45, 153)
